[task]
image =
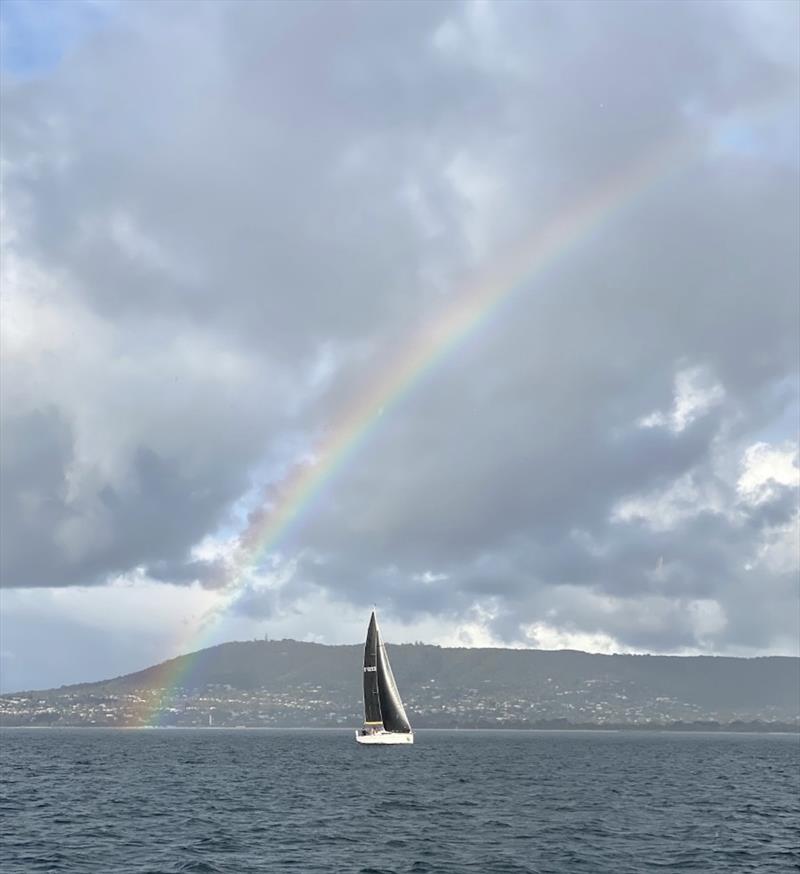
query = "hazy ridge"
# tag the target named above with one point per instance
(287, 682)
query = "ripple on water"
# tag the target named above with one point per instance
(93, 802)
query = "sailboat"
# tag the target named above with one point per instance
(385, 720)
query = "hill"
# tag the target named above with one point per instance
(287, 682)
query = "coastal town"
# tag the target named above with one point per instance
(592, 704)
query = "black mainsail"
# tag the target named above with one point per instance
(382, 704)
(372, 701)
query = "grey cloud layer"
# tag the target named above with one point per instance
(250, 190)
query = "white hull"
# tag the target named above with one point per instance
(385, 738)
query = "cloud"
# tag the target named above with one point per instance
(214, 246)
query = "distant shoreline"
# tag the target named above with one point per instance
(289, 684)
(582, 729)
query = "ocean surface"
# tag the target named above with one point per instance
(209, 800)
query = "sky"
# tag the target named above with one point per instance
(246, 245)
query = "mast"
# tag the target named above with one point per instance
(372, 700)
(392, 710)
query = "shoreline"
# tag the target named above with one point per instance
(349, 729)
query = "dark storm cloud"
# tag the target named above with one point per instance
(111, 531)
(36, 452)
(256, 204)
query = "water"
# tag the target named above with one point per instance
(311, 801)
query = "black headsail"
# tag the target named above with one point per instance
(372, 701)
(392, 710)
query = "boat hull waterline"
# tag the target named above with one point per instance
(385, 738)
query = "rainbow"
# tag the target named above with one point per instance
(468, 310)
